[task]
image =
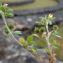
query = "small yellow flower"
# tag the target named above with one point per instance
(50, 15)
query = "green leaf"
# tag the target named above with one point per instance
(5, 30)
(30, 39)
(36, 35)
(8, 12)
(55, 27)
(22, 42)
(36, 29)
(9, 15)
(56, 34)
(33, 50)
(55, 46)
(11, 26)
(17, 32)
(41, 43)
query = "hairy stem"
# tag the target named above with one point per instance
(52, 58)
(4, 19)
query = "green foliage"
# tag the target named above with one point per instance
(17, 32)
(6, 31)
(28, 44)
(7, 11)
(33, 50)
(43, 27)
(11, 27)
(30, 39)
(34, 40)
(23, 42)
(54, 43)
(39, 29)
(46, 20)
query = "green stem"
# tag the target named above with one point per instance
(52, 58)
(47, 38)
(3, 17)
